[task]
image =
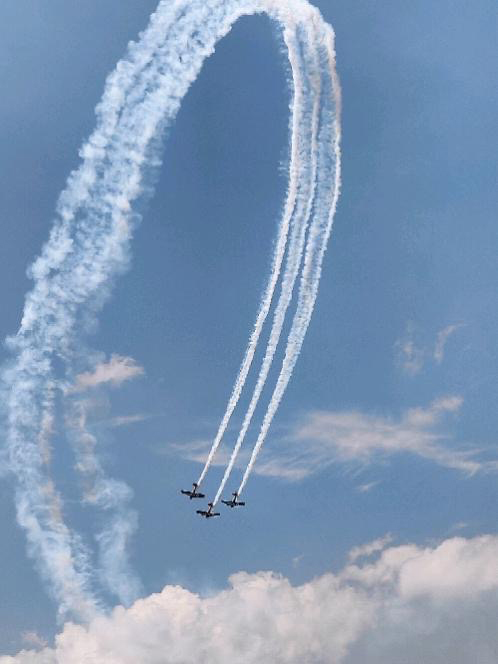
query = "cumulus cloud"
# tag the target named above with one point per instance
(412, 604)
(34, 640)
(115, 372)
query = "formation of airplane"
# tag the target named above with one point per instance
(233, 502)
(207, 514)
(194, 493)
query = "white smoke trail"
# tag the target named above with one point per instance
(59, 554)
(295, 177)
(291, 15)
(325, 206)
(307, 86)
(88, 247)
(112, 497)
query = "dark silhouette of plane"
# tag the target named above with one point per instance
(207, 514)
(194, 493)
(233, 502)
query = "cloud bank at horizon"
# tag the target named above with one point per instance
(408, 603)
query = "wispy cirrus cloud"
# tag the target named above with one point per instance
(322, 438)
(118, 370)
(354, 436)
(197, 451)
(441, 340)
(125, 420)
(367, 486)
(411, 355)
(370, 548)
(269, 464)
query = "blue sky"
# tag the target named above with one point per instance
(401, 354)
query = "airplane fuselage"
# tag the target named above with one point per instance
(207, 514)
(234, 502)
(193, 493)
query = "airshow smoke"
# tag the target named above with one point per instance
(89, 246)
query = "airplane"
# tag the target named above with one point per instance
(234, 502)
(194, 493)
(208, 513)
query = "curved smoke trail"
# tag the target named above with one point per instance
(278, 256)
(87, 248)
(325, 205)
(307, 83)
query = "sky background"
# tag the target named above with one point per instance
(406, 314)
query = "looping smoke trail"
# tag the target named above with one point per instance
(308, 21)
(325, 205)
(307, 85)
(295, 176)
(88, 247)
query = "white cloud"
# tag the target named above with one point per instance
(366, 550)
(197, 450)
(125, 420)
(115, 372)
(412, 604)
(409, 356)
(34, 640)
(289, 464)
(325, 437)
(297, 560)
(457, 567)
(322, 438)
(441, 339)
(368, 486)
